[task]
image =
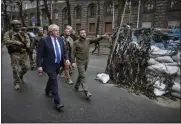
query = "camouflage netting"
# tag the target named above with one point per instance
(129, 66)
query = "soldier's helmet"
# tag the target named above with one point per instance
(15, 22)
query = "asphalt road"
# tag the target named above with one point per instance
(108, 103)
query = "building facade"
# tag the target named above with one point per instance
(153, 13)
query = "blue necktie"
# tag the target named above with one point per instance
(57, 51)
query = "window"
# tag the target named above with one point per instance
(78, 27)
(65, 13)
(92, 27)
(78, 12)
(26, 17)
(146, 24)
(108, 10)
(92, 11)
(55, 11)
(44, 14)
(174, 24)
(148, 6)
(108, 27)
(174, 5)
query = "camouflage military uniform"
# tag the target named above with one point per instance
(68, 42)
(37, 40)
(18, 54)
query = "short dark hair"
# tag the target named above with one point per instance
(45, 28)
(80, 30)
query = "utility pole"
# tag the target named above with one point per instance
(138, 18)
(51, 8)
(113, 15)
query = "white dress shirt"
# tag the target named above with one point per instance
(52, 38)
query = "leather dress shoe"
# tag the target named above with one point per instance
(48, 94)
(58, 107)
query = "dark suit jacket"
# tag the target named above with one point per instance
(46, 54)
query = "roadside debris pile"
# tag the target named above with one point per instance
(143, 68)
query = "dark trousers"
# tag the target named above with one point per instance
(52, 85)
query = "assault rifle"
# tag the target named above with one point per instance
(24, 43)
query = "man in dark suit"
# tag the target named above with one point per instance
(50, 57)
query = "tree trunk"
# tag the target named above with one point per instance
(38, 12)
(120, 10)
(6, 16)
(47, 11)
(21, 13)
(98, 18)
(68, 9)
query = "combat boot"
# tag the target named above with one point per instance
(17, 87)
(79, 89)
(21, 78)
(69, 81)
(87, 94)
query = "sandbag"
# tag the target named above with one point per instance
(177, 95)
(160, 85)
(161, 52)
(151, 69)
(172, 69)
(164, 59)
(159, 67)
(176, 87)
(154, 48)
(158, 92)
(152, 61)
(172, 64)
(176, 58)
(177, 79)
(178, 73)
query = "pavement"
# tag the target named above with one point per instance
(108, 103)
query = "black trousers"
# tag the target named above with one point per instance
(52, 86)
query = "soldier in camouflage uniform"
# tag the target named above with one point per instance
(18, 46)
(30, 53)
(68, 42)
(37, 40)
(81, 53)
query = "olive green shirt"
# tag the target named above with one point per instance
(81, 49)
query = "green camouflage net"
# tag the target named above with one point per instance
(129, 62)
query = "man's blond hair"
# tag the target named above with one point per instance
(53, 27)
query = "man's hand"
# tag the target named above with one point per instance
(40, 69)
(73, 65)
(67, 62)
(105, 35)
(19, 43)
